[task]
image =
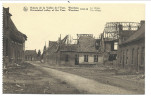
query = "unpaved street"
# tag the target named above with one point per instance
(83, 84)
(37, 78)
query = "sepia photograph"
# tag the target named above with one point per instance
(73, 48)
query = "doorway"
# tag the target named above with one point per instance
(76, 59)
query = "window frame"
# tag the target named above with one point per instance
(85, 58)
(95, 58)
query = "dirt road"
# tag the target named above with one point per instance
(83, 84)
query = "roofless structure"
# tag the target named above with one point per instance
(112, 29)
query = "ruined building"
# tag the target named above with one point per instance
(107, 50)
(13, 41)
(110, 39)
(85, 52)
(131, 51)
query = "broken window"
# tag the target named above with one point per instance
(115, 45)
(85, 58)
(95, 58)
(112, 57)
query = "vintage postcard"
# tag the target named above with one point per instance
(73, 48)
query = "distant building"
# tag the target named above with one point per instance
(131, 51)
(31, 55)
(13, 41)
(51, 54)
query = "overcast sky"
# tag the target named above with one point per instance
(40, 27)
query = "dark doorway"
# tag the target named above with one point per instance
(76, 59)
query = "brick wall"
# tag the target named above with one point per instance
(132, 56)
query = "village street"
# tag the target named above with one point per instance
(37, 77)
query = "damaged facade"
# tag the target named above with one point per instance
(111, 37)
(13, 41)
(120, 45)
(85, 52)
(131, 52)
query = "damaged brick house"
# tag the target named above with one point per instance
(85, 52)
(13, 41)
(110, 39)
(131, 52)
